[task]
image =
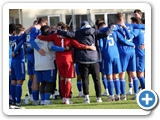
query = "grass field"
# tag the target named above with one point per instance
(78, 102)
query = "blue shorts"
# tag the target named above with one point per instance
(140, 63)
(45, 76)
(18, 70)
(128, 62)
(112, 66)
(101, 66)
(30, 67)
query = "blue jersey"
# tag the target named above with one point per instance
(139, 33)
(10, 56)
(13, 41)
(126, 34)
(31, 43)
(110, 49)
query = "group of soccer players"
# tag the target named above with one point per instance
(111, 50)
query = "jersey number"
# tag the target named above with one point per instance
(13, 45)
(110, 40)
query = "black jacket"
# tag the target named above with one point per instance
(87, 36)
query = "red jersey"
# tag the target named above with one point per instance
(65, 56)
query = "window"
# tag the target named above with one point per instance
(53, 20)
(111, 18)
(78, 20)
(99, 16)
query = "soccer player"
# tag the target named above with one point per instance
(45, 73)
(17, 64)
(65, 61)
(139, 33)
(137, 13)
(30, 57)
(112, 65)
(101, 64)
(127, 56)
(87, 59)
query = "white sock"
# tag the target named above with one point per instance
(130, 89)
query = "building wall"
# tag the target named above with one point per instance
(29, 15)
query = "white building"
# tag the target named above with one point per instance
(68, 16)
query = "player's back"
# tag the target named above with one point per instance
(44, 62)
(110, 49)
(30, 37)
(122, 47)
(20, 54)
(66, 56)
(139, 40)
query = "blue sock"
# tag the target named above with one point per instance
(13, 92)
(130, 84)
(142, 82)
(110, 87)
(29, 86)
(42, 97)
(33, 94)
(123, 86)
(79, 86)
(117, 86)
(47, 96)
(135, 84)
(36, 93)
(18, 92)
(105, 83)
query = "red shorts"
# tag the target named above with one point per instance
(66, 70)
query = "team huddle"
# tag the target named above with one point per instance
(112, 50)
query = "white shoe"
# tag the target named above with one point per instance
(110, 98)
(86, 101)
(80, 94)
(42, 102)
(47, 102)
(63, 100)
(123, 97)
(67, 101)
(105, 93)
(134, 97)
(36, 102)
(117, 98)
(99, 100)
(129, 93)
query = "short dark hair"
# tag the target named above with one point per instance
(19, 28)
(35, 22)
(100, 24)
(45, 30)
(65, 27)
(42, 19)
(60, 23)
(136, 20)
(138, 11)
(12, 28)
(99, 20)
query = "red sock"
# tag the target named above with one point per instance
(62, 88)
(68, 89)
